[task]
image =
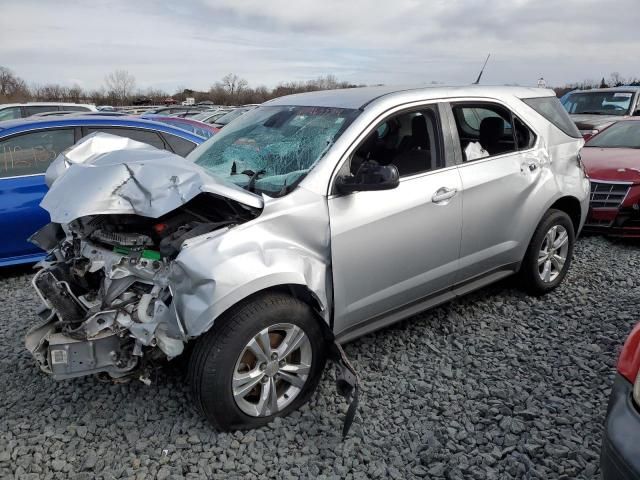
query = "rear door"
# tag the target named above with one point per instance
(24, 157)
(502, 169)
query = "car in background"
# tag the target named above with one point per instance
(134, 110)
(175, 109)
(102, 114)
(211, 116)
(230, 116)
(61, 113)
(612, 161)
(12, 111)
(593, 110)
(620, 454)
(194, 126)
(27, 147)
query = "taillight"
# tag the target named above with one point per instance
(629, 361)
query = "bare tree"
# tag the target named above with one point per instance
(615, 79)
(120, 85)
(11, 86)
(75, 93)
(233, 84)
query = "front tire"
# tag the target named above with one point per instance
(262, 359)
(549, 254)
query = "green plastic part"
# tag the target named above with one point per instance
(151, 254)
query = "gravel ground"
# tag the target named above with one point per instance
(495, 385)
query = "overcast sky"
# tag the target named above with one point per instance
(193, 43)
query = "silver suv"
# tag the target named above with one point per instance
(309, 221)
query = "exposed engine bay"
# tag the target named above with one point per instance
(106, 289)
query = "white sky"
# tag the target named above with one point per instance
(193, 43)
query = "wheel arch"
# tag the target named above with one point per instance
(289, 284)
(571, 206)
(567, 204)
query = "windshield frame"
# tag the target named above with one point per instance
(613, 112)
(295, 138)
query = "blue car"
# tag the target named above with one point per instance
(28, 146)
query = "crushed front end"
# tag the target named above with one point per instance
(107, 293)
(120, 212)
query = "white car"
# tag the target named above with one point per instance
(12, 111)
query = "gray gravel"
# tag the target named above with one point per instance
(495, 385)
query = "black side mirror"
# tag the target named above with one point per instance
(370, 177)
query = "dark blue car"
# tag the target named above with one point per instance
(28, 146)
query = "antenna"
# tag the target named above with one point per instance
(481, 71)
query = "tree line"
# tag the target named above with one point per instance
(119, 89)
(614, 80)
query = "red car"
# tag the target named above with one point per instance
(201, 129)
(612, 161)
(620, 456)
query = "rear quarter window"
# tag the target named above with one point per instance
(10, 113)
(551, 109)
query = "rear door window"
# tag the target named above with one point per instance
(484, 129)
(31, 153)
(144, 136)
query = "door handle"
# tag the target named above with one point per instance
(531, 166)
(443, 194)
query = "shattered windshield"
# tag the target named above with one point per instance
(270, 149)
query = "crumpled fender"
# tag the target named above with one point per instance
(215, 271)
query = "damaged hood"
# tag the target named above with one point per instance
(106, 174)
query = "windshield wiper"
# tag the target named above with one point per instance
(253, 176)
(592, 112)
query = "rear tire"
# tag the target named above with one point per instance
(232, 358)
(549, 254)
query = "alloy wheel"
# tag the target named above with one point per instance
(272, 370)
(553, 253)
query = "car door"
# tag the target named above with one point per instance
(24, 158)
(501, 169)
(395, 247)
